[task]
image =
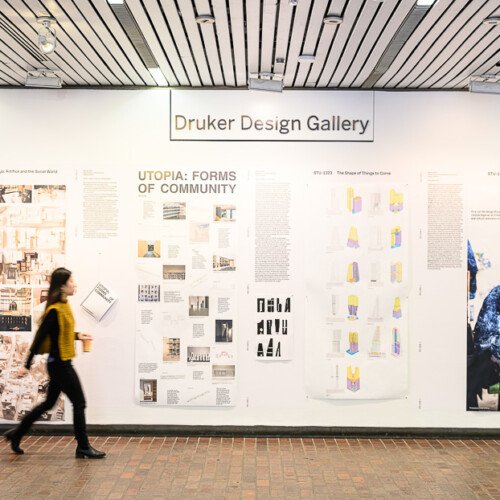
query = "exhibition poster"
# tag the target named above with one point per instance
(187, 272)
(99, 301)
(357, 280)
(33, 232)
(483, 297)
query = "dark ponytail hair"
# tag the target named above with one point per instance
(58, 278)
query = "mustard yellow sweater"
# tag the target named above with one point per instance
(67, 335)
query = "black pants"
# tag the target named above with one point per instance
(63, 378)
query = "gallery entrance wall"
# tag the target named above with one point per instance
(295, 260)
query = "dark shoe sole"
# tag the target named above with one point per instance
(91, 457)
(15, 449)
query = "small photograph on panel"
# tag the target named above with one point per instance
(335, 201)
(198, 305)
(354, 201)
(376, 344)
(15, 309)
(171, 349)
(334, 349)
(197, 354)
(199, 232)
(33, 243)
(375, 241)
(396, 272)
(20, 395)
(375, 278)
(335, 385)
(49, 195)
(396, 237)
(353, 379)
(375, 201)
(223, 330)
(174, 210)
(148, 388)
(223, 373)
(224, 213)
(16, 194)
(148, 293)
(395, 201)
(175, 272)
(224, 263)
(149, 249)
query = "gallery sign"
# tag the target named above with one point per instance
(202, 115)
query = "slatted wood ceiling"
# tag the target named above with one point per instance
(450, 43)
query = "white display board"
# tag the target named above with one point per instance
(284, 245)
(188, 270)
(33, 236)
(357, 275)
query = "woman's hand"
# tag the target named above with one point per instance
(22, 372)
(84, 336)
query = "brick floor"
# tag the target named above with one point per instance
(247, 468)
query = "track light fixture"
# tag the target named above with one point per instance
(485, 84)
(269, 82)
(484, 87)
(46, 35)
(43, 78)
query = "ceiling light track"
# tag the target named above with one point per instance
(129, 25)
(408, 26)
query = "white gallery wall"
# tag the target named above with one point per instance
(419, 139)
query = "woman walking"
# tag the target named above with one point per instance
(56, 336)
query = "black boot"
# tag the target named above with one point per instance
(14, 439)
(88, 453)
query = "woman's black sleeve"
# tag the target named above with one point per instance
(48, 325)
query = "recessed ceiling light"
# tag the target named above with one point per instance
(307, 58)
(425, 3)
(333, 20)
(205, 19)
(492, 21)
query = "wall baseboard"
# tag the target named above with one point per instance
(268, 431)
